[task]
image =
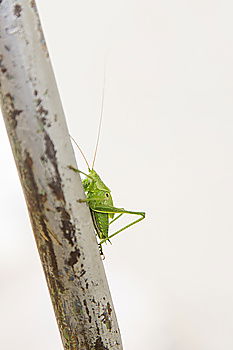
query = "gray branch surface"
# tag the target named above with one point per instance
(42, 150)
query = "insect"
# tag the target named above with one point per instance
(99, 199)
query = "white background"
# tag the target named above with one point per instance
(166, 148)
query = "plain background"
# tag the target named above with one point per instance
(166, 148)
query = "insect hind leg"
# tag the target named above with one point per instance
(113, 210)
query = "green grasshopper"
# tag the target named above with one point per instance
(99, 199)
(100, 203)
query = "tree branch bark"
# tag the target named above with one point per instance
(41, 146)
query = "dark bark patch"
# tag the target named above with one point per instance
(50, 150)
(55, 183)
(99, 345)
(43, 159)
(87, 310)
(10, 109)
(74, 257)
(2, 66)
(82, 272)
(55, 186)
(41, 111)
(97, 328)
(35, 203)
(67, 227)
(106, 317)
(43, 197)
(109, 309)
(38, 101)
(17, 10)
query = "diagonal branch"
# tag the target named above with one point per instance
(41, 146)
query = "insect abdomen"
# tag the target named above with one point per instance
(101, 224)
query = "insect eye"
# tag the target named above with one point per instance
(106, 194)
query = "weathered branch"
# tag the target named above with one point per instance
(40, 142)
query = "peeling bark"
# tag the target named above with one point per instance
(41, 146)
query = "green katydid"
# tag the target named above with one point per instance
(99, 199)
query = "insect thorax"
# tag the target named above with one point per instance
(96, 189)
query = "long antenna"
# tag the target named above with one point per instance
(101, 117)
(80, 150)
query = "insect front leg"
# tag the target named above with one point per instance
(89, 199)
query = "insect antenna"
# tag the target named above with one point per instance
(101, 118)
(80, 150)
